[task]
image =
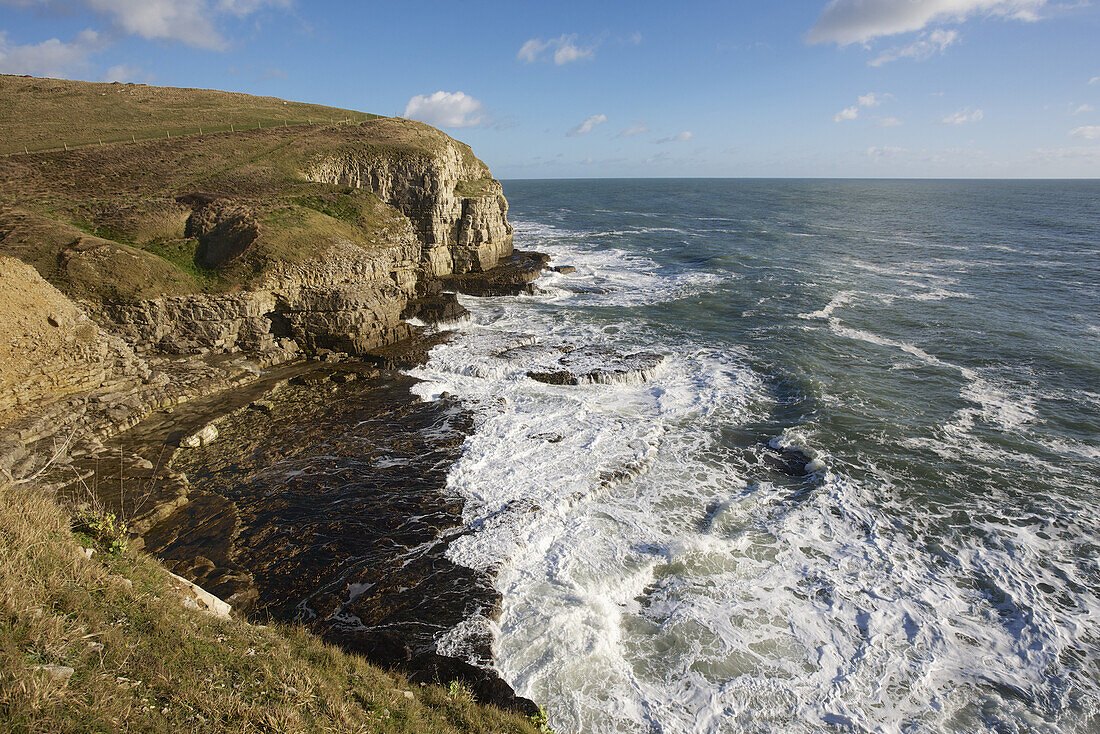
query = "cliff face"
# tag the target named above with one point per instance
(48, 347)
(319, 241)
(176, 267)
(447, 215)
(458, 211)
(350, 300)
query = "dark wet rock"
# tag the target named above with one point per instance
(589, 290)
(406, 354)
(537, 351)
(557, 377)
(599, 364)
(314, 378)
(512, 276)
(564, 269)
(265, 406)
(789, 460)
(331, 512)
(434, 309)
(487, 687)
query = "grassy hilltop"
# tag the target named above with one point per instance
(42, 114)
(109, 221)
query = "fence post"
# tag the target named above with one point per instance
(169, 133)
(200, 130)
(66, 146)
(133, 138)
(231, 128)
(25, 150)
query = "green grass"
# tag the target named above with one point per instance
(130, 198)
(181, 253)
(144, 662)
(476, 188)
(43, 114)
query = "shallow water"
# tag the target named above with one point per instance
(860, 492)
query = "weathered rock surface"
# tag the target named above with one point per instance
(196, 597)
(512, 276)
(205, 435)
(457, 209)
(48, 347)
(600, 365)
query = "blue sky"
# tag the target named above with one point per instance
(972, 88)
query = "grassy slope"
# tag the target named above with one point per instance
(39, 114)
(124, 196)
(143, 662)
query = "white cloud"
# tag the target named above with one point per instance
(49, 58)
(565, 50)
(192, 22)
(587, 125)
(1088, 132)
(923, 48)
(683, 137)
(864, 100)
(883, 151)
(242, 8)
(123, 73)
(963, 116)
(1088, 155)
(887, 121)
(445, 109)
(633, 130)
(1095, 80)
(530, 51)
(1081, 108)
(848, 113)
(858, 21)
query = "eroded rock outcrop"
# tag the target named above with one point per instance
(457, 209)
(49, 348)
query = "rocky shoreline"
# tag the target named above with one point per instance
(204, 336)
(309, 491)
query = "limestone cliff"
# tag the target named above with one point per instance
(458, 209)
(48, 347)
(286, 240)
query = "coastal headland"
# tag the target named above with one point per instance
(201, 334)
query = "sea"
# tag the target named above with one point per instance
(856, 489)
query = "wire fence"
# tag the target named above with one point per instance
(168, 134)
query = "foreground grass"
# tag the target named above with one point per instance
(144, 662)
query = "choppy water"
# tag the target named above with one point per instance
(933, 347)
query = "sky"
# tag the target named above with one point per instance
(563, 89)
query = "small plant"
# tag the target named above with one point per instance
(459, 692)
(104, 528)
(540, 721)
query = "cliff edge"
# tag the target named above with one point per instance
(298, 237)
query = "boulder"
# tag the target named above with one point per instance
(205, 435)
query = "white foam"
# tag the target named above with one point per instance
(649, 586)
